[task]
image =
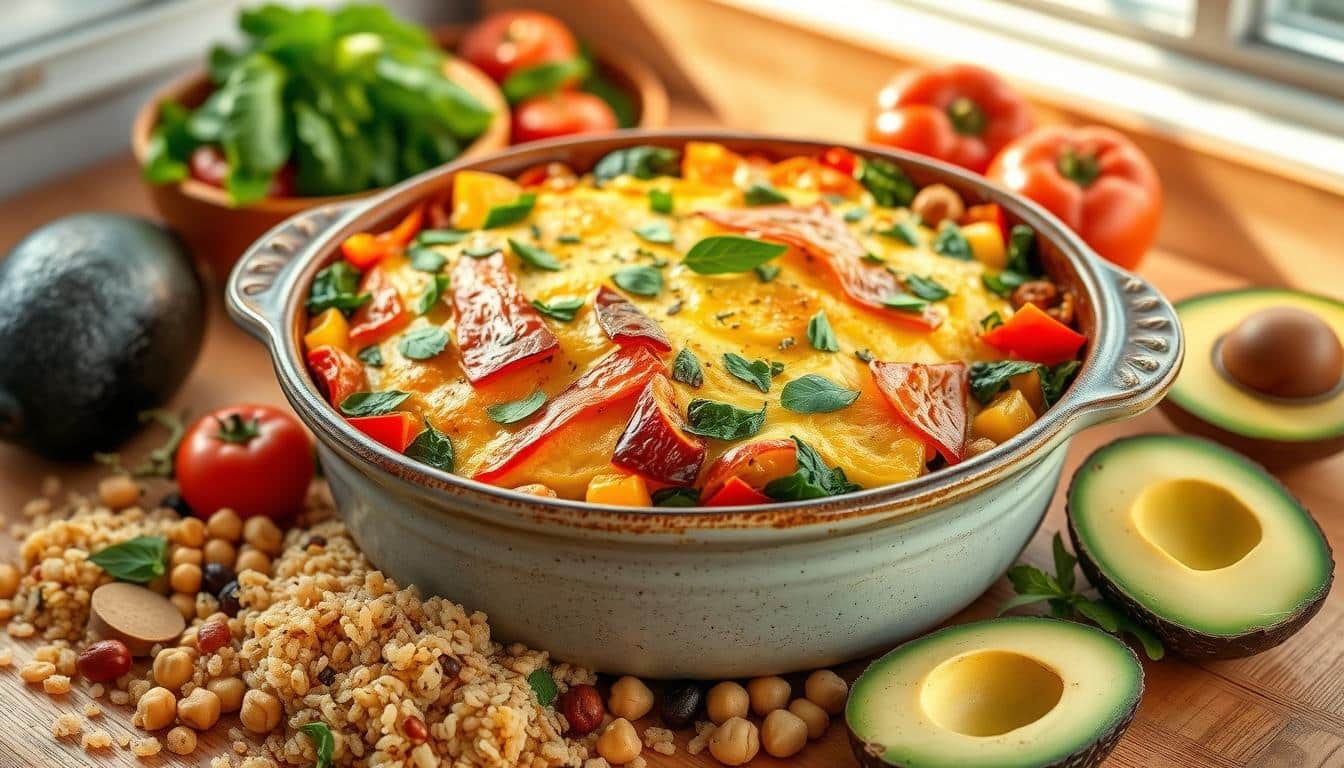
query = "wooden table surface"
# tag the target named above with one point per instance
(1281, 708)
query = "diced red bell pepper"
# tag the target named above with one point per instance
(625, 323)
(824, 236)
(930, 399)
(366, 249)
(840, 159)
(497, 329)
(655, 443)
(990, 212)
(736, 493)
(382, 315)
(1031, 334)
(619, 375)
(756, 463)
(339, 374)
(394, 430)
(552, 174)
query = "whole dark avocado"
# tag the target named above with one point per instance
(101, 317)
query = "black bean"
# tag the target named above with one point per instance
(327, 676)
(681, 703)
(215, 576)
(228, 599)
(450, 666)
(175, 502)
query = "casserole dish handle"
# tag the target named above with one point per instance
(259, 282)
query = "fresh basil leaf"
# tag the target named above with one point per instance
(1055, 380)
(1152, 646)
(951, 243)
(323, 742)
(811, 393)
(727, 254)
(336, 286)
(754, 372)
(536, 257)
(510, 213)
(254, 130)
(1030, 579)
(423, 343)
(562, 309)
(432, 447)
(864, 355)
(642, 162)
(722, 421)
(904, 303)
(988, 379)
(543, 79)
(1017, 601)
(660, 201)
(481, 251)
(766, 272)
(170, 146)
(820, 335)
(854, 215)
(1022, 256)
(812, 480)
(657, 232)
(991, 321)
(776, 368)
(139, 560)
(371, 356)
(1099, 613)
(762, 193)
(373, 403)
(426, 259)
(1064, 564)
(428, 237)
(686, 369)
(568, 239)
(905, 230)
(642, 281)
(433, 292)
(1004, 282)
(926, 288)
(515, 411)
(676, 497)
(886, 182)
(543, 685)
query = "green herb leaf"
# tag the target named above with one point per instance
(854, 215)
(951, 243)
(510, 213)
(432, 447)
(373, 403)
(434, 291)
(568, 239)
(754, 372)
(865, 355)
(904, 303)
(686, 369)
(722, 421)
(1099, 613)
(766, 272)
(336, 286)
(988, 379)
(727, 254)
(428, 237)
(371, 356)
(543, 685)
(1152, 646)
(660, 201)
(639, 280)
(886, 182)
(423, 343)
(170, 146)
(534, 256)
(813, 480)
(323, 742)
(562, 309)
(254, 131)
(811, 393)
(1022, 256)
(657, 232)
(762, 193)
(481, 251)
(991, 321)
(642, 162)
(1029, 578)
(1018, 601)
(820, 334)
(676, 497)
(1064, 564)
(1055, 380)
(425, 259)
(516, 410)
(1004, 282)
(542, 79)
(905, 230)
(139, 560)
(926, 288)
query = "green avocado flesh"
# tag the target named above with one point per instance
(1017, 691)
(1198, 542)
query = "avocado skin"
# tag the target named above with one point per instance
(1273, 454)
(1187, 641)
(101, 317)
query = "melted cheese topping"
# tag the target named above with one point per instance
(709, 314)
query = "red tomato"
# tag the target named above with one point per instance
(840, 159)
(505, 42)
(253, 459)
(562, 113)
(207, 165)
(930, 399)
(1031, 334)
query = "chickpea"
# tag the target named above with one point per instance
(185, 556)
(173, 667)
(9, 581)
(230, 692)
(186, 578)
(726, 701)
(619, 744)
(978, 446)
(185, 604)
(220, 552)
(225, 524)
(827, 690)
(189, 532)
(937, 203)
(156, 709)
(735, 742)
(815, 717)
(262, 533)
(260, 712)
(630, 698)
(783, 734)
(181, 741)
(200, 710)
(252, 559)
(768, 694)
(118, 491)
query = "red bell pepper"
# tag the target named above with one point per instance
(382, 315)
(822, 235)
(366, 249)
(990, 212)
(1031, 334)
(619, 375)
(736, 493)
(840, 159)
(655, 443)
(339, 374)
(755, 463)
(625, 324)
(930, 399)
(497, 329)
(394, 430)
(553, 175)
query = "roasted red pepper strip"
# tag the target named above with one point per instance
(339, 374)
(366, 249)
(655, 443)
(736, 493)
(621, 374)
(625, 324)
(755, 463)
(1031, 334)
(824, 236)
(497, 328)
(382, 315)
(930, 399)
(395, 430)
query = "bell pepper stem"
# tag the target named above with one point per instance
(967, 117)
(1081, 169)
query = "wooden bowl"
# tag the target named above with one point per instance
(218, 232)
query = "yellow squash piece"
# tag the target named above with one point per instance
(476, 192)
(986, 244)
(1009, 414)
(619, 490)
(328, 329)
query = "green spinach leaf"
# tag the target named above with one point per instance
(722, 421)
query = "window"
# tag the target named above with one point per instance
(1311, 27)
(1171, 16)
(28, 21)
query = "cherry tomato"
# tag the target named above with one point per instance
(505, 42)
(253, 459)
(562, 113)
(840, 159)
(208, 166)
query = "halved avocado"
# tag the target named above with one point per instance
(1199, 543)
(1019, 691)
(1206, 401)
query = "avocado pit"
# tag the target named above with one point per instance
(1283, 352)
(1199, 524)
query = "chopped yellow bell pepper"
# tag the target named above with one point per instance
(1029, 384)
(476, 192)
(986, 244)
(619, 490)
(1009, 414)
(707, 162)
(328, 329)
